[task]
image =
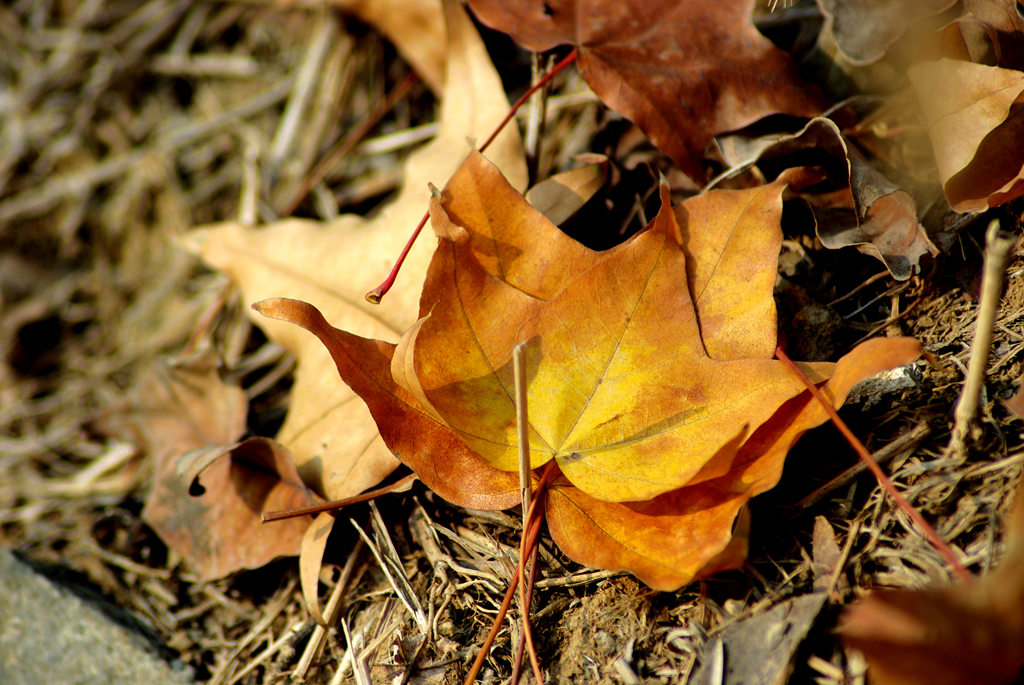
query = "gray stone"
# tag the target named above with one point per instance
(49, 634)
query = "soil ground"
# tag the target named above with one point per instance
(117, 138)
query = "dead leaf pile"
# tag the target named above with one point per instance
(653, 387)
(963, 63)
(658, 450)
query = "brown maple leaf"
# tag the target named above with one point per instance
(184, 408)
(682, 70)
(650, 377)
(962, 635)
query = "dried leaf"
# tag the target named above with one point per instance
(962, 635)
(1001, 23)
(331, 434)
(825, 553)
(670, 539)
(853, 203)
(975, 117)
(562, 195)
(761, 649)
(423, 443)
(624, 420)
(865, 30)
(684, 71)
(311, 558)
(187, 408)
(506, 275)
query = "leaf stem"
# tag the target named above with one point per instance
(566, 61)
(530, 536)
(926, 528)
(281, 514)
(377, 294)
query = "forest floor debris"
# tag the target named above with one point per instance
(125, 123)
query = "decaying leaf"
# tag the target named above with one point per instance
(853, 202)
(761, 649)
(684, 71)
(962, 635)
(231, 487)
(865, 30)
(660, 444)
(330, 432)
(185, 408)
(975, 117)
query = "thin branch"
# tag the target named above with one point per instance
(998, 247)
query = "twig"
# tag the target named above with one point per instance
(270, 650)
(900, 445)
(270, 613)
(522, 429)
(345, 145)
(339, 503)
(310, 67)
(536, 120)
(523, 435)
(548, 474)
(998, 246)
(37, 200)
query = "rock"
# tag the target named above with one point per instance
(50, 634)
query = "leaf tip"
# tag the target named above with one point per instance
(267, 307)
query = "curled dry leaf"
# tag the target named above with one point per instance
(961, 635)
(185, 408)
(654, 404)
(231, 488)
(975, 118)
(854, 204)
(1001, 23)
(863, 31)
(333, 437)
(683, 70)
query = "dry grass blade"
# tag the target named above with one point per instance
(387, 557)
